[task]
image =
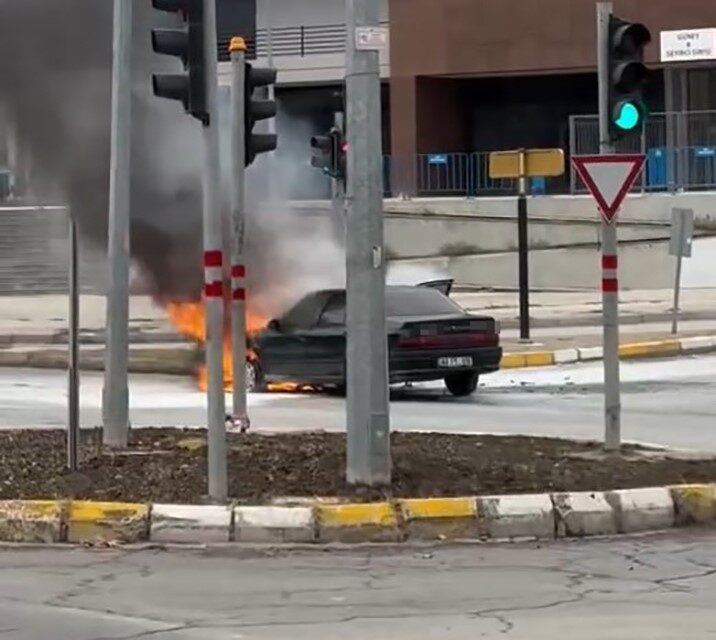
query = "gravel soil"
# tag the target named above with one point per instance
(169, 465)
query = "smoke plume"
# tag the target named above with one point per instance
(55, 65)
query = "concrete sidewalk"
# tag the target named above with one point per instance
(43, 318)
(584, 308)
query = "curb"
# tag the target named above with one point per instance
(652, 349)
(478, 518)
(183, 360)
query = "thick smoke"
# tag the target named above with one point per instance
(55, 65)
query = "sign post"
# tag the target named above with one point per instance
(523, 164)
(609, 178)
(682, 234)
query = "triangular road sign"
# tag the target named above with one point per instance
(609, 178)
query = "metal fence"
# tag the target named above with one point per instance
(680, 149)
(34, 253)
(442, 174)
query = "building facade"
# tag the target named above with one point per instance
(482, 75)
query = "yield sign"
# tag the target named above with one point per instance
(609, 178)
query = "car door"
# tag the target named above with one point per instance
(326, 342)
(284, 348)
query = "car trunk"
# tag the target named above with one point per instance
(456, 332)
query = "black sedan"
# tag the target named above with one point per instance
(430, 337)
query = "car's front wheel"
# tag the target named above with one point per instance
(462, 384)
(254, 378)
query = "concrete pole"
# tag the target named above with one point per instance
(237, 49)
(368, 421)
(73, 360)
(610, 283)
(115, 397)
(213, 269)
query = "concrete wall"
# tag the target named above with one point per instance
(474, 241)
(637, 207)
(643, 266)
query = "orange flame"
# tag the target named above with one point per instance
(189, 318)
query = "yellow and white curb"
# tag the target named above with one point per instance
(653, 349)
(478, 518)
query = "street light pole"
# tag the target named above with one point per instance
(237, 50)
(115, 397)
(368, 420)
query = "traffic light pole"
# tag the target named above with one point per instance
(213, 268)
(237, 50)
(610, 293)
(115, 397)
(338, 192)
(368, 421)
(73, 360)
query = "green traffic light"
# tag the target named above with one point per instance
(628, 116)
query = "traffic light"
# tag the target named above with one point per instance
(186, 43)
(328, 153)
(256, 110)
(627, 77)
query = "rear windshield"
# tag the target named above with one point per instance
(401, 303)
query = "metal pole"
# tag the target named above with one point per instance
(338, 193)
(274, 187)
(368, 420)
(73, 383)
(115, 397)
(670, 128)
(213, 269)
(523, 253)
(610, 285)
(677, 283)
(237, 49)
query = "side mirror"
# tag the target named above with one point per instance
(274, 325)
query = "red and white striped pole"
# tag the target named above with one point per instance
(610, 311)
(240, 418)
(213, 270)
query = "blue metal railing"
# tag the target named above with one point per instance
(442, 174)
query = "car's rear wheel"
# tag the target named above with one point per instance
(462, 384)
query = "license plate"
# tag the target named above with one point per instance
(457, 361)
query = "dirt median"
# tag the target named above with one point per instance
(169, 466)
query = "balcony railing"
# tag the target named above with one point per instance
(297, 41)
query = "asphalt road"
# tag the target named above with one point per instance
(626, 588)
(669, 402)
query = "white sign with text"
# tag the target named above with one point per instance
(688, 45)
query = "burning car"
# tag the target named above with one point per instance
(430, 337)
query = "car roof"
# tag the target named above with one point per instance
(390, 287)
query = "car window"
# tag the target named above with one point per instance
(334, 313)
(418, 301)
(304, 313)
